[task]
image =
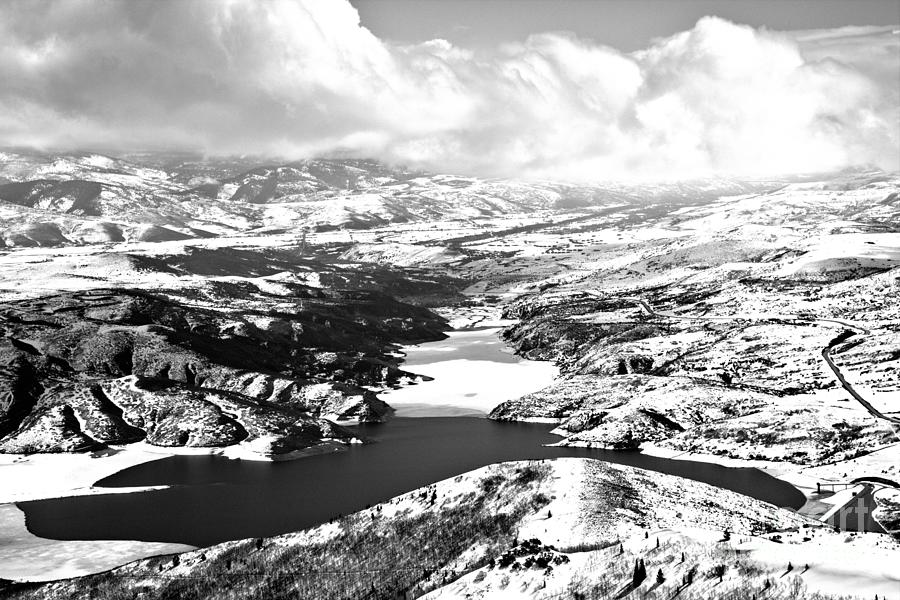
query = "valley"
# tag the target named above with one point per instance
(159, 311)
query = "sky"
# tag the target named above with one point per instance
(557, 89)
(627, 25)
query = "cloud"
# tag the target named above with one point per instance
(304, 77)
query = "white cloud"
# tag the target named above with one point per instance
(303, 77)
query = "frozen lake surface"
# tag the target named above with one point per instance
(473, 372)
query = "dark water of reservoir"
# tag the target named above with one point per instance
(213, 499)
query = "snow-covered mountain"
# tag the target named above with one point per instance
(48, 199)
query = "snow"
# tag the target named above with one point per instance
(37, 476)
(472, 372)
(859, 250)
(855, 564)
(259, 449)
(26, 557)
(839, 563)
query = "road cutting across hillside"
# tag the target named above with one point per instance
(826, 352)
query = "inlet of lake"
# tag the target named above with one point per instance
(211, 499)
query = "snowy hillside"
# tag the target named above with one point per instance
(48, 200)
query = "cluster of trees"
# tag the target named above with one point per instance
(534, 554)
(639, 575)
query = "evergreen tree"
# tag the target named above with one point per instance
(640, 573)
(660, 578)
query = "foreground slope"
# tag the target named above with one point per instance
(567, 528)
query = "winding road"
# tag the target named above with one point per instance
(859, 508)
(826, 352)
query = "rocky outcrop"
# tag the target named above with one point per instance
(560, 329)
(49, 429)
(82, 370)
(621, 412)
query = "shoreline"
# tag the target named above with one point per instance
(787, 472)
(797, 475)
(59, 475)
(54, 559)
(26, 557)
(63, 475)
